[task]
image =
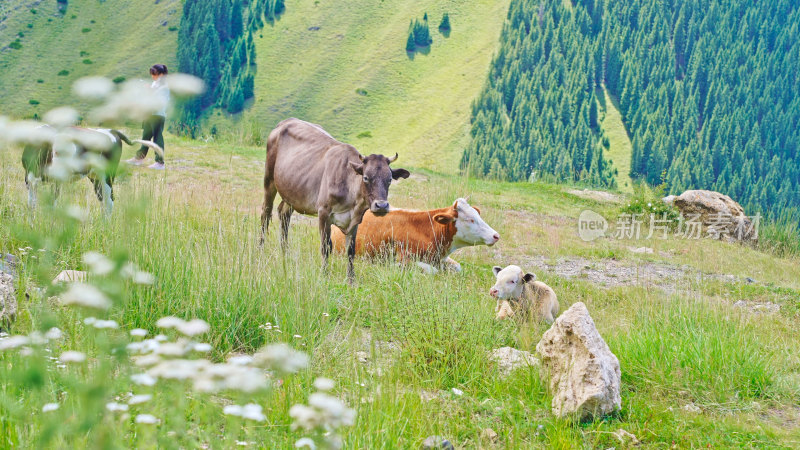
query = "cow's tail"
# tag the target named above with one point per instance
(121, 137)
(150, 144)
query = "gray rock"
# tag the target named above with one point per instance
(508, 359)
(721, 216)
(583, 374)
(8, 300)
(432, 442)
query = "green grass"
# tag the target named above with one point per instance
(620, 149)
(195, 228)
(417, 107)
(125, 39)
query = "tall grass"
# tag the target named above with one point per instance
(427, 334)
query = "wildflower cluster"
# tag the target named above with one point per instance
(322, 417)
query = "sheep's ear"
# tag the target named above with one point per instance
(528, 277)
(496, 270)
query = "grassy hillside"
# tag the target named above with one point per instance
(117, 38)
(314, 59)
(707, 358)
(619, 149)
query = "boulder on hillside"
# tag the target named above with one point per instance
(583, 374)
(721, 217)
(8, 296)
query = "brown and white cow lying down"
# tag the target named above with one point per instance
(518, 293)
(426, 236)
(94, 153)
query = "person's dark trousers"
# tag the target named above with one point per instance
(153, 130)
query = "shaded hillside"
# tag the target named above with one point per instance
(708, 91)
(90, 37)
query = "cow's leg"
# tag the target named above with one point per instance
(351, 254)
(285, 216)
(103, 191)
(266, 213)
(32, 183)
(325, 236)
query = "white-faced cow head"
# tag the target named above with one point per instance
(509, 282)
(470, 227)
(376, 177)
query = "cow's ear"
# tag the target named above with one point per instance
(400, 173)
(496, 270)
(359, 168)
(528, 277)
(445, 218)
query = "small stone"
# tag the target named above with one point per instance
(626, 438)
(69, 276)
(750, 280)
(488, 434)
(691, 407)
(363, 357)
(432, 442)
(508, 359)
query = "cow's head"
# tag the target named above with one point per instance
(509, 282)
(470, 227)
(376, 176)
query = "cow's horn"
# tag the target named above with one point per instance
(391, 160)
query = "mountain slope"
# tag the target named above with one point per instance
(312, 61)
(112, 39)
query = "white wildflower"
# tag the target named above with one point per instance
(13, 342)
(137, 399)
(458, 392)
(72, 356)
(306, 443)
(240, 360)
(177, 369)
(83, 294)
(202, 347)
(193, 327)
(141, 277)
(63, 116)
(281, 358)
(98, 263)
(54, 334)
(143, 379)
(242, 443)
(36, 338)
(105, 324)
(114, 406)
(89, 320)
(146, 360)
(169, 322)
(146, 419)
(135, 101)
(323, 384)
(138, 332)
(28, 132)
(77, 213)
(93, 88)
(172, 349)
(250, 411)
(160, 338)
(50, 407)
(184, 85)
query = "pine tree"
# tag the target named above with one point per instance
(444, 25)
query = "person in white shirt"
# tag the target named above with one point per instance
(154, 126)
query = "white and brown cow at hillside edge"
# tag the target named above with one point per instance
(428, 237)
(519, 294)
(75, 152)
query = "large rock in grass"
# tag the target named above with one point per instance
(584, 375)
(8, 296)
(721, 216)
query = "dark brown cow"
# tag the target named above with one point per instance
(319, 176)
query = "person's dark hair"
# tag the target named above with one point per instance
(158, 69)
